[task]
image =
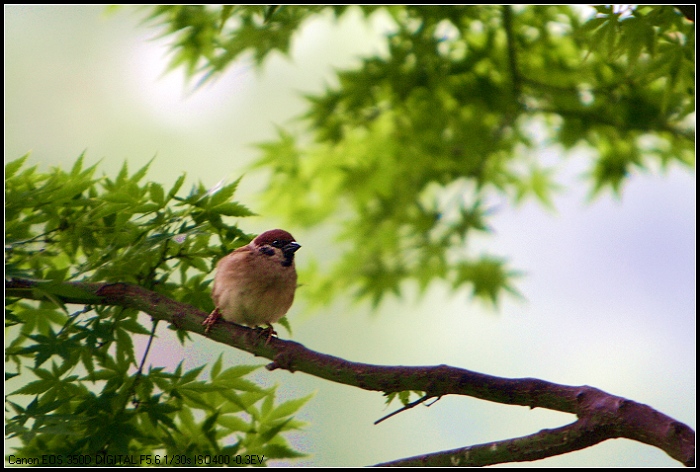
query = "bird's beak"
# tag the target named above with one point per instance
(291, 248)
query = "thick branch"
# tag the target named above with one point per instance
(546, 443)
(601, 415)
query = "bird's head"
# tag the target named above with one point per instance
(275, 240)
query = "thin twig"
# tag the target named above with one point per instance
(408, 406)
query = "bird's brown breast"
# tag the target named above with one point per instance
(253, 287)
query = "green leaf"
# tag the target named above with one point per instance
(235, 372)
(134, 326)
(12, 167)
(240, 401)
(234, 423)
(125, 347)
(78, 166)
(111, 209)
(274, 431)
(10, 375)
(34, 388)
(276, 451)
(232, 209)
(141, 173)
(226, 11)
(191, 375)
(287, 408)
(224, 194)
(240, 385)
(178, 184)
(123, 174)
(488, 277)
(285, 322)
(157, 193)
(216, 368)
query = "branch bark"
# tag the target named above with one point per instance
(601, 416)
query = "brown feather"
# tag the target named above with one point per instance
(255, 284)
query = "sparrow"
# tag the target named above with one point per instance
(255, 284)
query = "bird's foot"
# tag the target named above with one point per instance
(267, 333)
(211, 320)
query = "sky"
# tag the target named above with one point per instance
(608, 284)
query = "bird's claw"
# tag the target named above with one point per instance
(211, 320)
(267, 332)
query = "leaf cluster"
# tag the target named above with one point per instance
(91, 394)
(207, 39)
(413, 146)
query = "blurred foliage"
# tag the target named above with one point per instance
(91, 395)
(411, 146)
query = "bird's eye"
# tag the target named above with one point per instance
(276, 243)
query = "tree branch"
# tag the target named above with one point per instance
(546, 443)
(512, 56)
(600, 415)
